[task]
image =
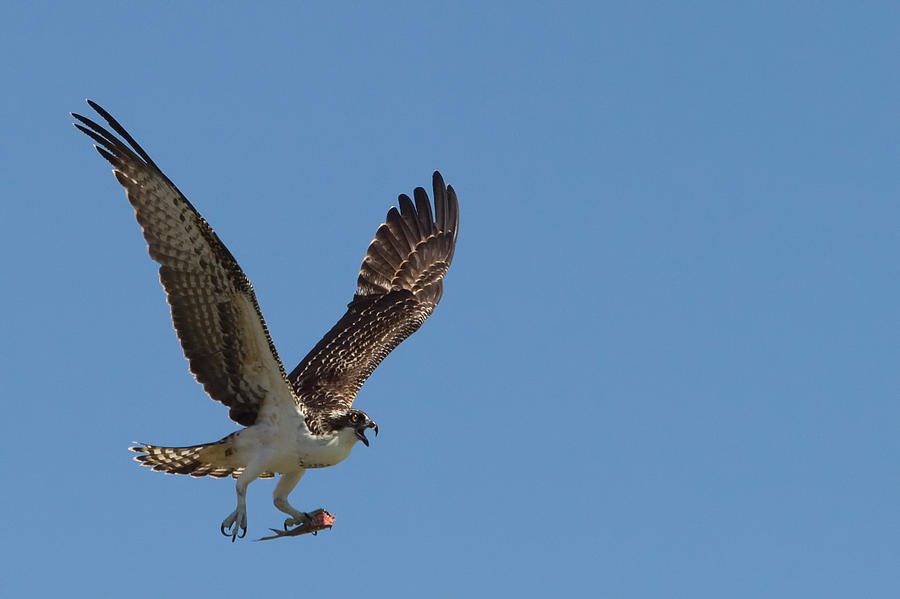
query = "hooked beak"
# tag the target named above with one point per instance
(361, 432)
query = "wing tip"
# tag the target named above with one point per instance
(96, 107)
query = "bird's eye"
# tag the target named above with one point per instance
(354, 418)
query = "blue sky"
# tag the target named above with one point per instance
(665, 364)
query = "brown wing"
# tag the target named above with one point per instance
(400, 283)
(214, 308)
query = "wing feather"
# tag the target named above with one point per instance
(400, 283)
(423, 208)
(214, 308)
(409, 220)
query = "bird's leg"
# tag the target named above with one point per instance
(235, 525)
(280, 498)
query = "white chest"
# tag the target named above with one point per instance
(321, 452)
(286, 445)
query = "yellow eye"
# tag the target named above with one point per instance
(354, 418)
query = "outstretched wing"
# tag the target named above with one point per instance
(214, 308)
(400, 283)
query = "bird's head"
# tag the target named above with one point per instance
(357, 421)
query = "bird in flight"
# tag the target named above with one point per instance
(296, 421)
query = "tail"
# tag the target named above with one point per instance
(219, 459)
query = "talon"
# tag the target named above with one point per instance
(235, 525)
(301, 519)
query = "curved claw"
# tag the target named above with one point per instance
(235, 525)
(237, 532)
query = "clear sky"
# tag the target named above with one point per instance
(665, 364)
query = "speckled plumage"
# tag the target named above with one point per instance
(399, 285)
(304, 419)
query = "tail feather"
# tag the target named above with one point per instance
(210, 459)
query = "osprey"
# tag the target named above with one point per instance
(294, 421)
